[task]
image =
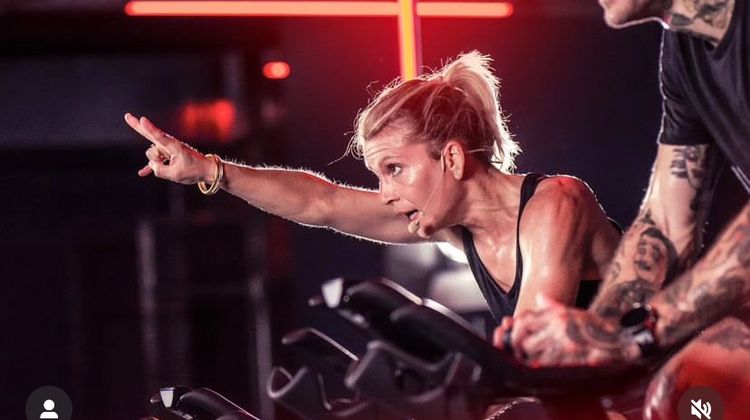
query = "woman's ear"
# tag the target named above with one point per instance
(454, 159)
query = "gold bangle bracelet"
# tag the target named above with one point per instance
(218, 177)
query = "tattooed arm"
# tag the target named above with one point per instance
(667, 234)
(718, 286)
(664, 239)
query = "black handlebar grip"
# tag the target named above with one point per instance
(507, 343)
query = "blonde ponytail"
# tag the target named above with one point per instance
(461, 100)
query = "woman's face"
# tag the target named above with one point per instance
(411, 180)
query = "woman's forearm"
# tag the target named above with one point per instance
(297, 195)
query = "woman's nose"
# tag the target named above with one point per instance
(386, 194)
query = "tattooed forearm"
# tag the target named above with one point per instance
(733, 243)
(614, 270)
(701, 306)
(618, 299)
(730, 336)
(601, 334)
(698, 166)
(584, 334)
(688, 163)
(674, 294)
(718, 286)
(652, 259)
(648, 257)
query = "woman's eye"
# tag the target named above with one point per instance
(394, 169)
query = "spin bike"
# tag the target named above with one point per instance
(422, 361)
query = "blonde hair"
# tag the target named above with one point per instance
(459, 101)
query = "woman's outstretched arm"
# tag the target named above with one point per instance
(298, 195)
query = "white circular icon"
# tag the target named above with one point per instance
(49, 402)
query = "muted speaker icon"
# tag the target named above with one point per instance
(700, 410)
(700, 402)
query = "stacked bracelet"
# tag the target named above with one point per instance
(218, 176)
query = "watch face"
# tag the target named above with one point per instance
(635, 317)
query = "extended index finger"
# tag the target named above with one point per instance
(149, 131)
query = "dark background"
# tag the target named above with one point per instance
(115, 285)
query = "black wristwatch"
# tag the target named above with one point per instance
(639, 324)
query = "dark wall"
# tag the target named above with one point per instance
(333, 62)
(74, 311)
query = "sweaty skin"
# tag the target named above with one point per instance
(674, 211)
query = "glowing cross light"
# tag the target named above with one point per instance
(408, 13)
(409, 39)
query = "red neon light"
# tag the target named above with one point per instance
(314, 8)
(276, 70)
(408, 35)
(260, 8)
(407, 11)
(209, 120)
(468, 9)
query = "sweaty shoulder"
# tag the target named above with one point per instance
(560, 193)
(562, 212)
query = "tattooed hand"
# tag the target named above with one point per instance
(556, 335)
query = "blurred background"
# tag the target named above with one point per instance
(115, 285)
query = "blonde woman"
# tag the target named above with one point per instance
(444, 160)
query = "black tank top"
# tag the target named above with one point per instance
(503, 304)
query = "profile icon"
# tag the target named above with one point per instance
(48, 405)
(49, 402)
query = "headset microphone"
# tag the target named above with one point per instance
(414, 224)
